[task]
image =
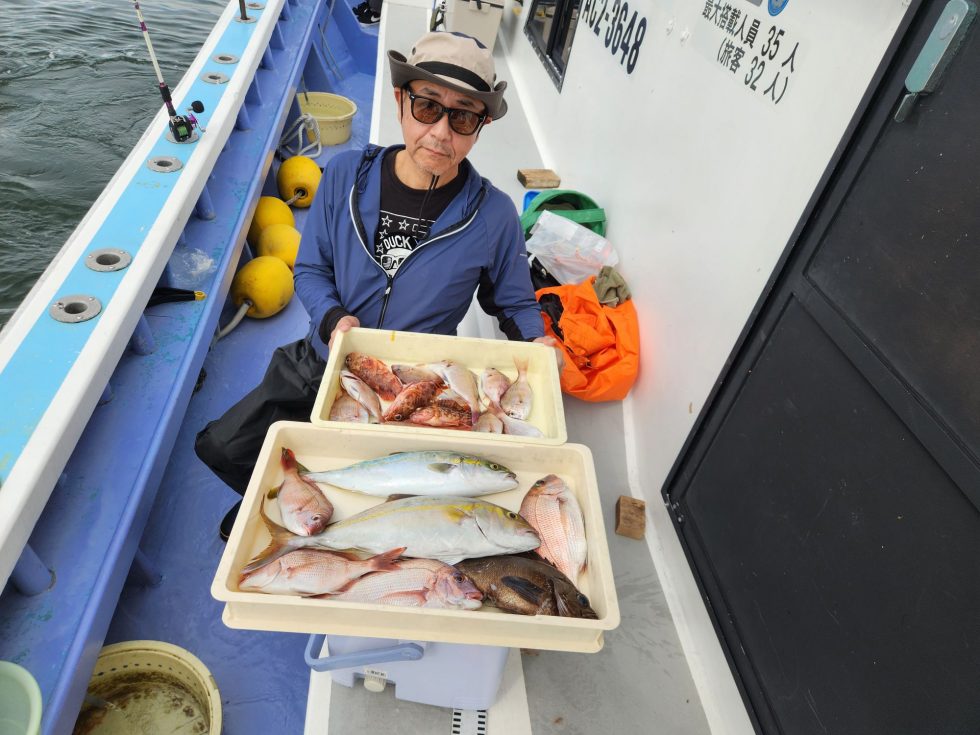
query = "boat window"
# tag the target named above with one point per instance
(551, 27)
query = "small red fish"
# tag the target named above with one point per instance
(413, 397)
(305, 509)
(437, 415)
(376, 374)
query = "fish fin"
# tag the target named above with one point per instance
(386, 562)
(278, 546)
(348, 554)
(521, 366)
(525, 589)
(398, 496)
(301, 468)
(563, 609)
(407, 595)
(273, 493)
(344, 588)
(268, 555)
(451, 560)
(392, 454)
(442, 467)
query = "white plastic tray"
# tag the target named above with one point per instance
(547, 412)
(329, 447)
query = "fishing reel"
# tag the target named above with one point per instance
(182, 126)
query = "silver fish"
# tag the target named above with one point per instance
(494, 384)
(345, 408)
(514, 426)
(409, 374)
(462, 381)
(421, 473)
(429, 527)
(518, 398)
(416, 583)
(489, 424)
(362, 393)
(303, 506)
(309, 572)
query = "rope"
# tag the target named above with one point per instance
(300, 193)
(235, 320)
(303, 123)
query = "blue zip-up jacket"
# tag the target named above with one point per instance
(476, 244)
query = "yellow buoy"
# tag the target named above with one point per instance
(280, 241)
(298, 177)
(265, 281)
(270, 211)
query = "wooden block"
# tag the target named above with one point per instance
(631, 519)
(538, 178)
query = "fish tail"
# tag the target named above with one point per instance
(521, 365)
(386, 562)
(278, 546)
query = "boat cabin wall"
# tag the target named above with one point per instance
(704, 158)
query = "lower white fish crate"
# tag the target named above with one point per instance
(327, 447)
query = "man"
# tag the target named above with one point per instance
(397, 238)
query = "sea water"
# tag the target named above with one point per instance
(77, 90)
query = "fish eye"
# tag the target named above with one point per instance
(583, 600)
(457, 577)
(494, 466)
(512, 515)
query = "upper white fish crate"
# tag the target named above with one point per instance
(332, 447)
(411, 348)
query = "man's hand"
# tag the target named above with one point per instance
(345, 323)
(559, 350)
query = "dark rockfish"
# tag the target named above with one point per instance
(526, 586)
(375, 373)
(413, 397)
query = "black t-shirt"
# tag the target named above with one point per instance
(406, 215)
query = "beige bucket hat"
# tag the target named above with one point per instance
(453, 60)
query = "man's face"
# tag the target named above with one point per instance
(437, 149)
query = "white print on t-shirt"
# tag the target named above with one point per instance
(398, 238)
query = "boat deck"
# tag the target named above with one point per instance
(639, 682)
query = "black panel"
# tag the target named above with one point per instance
(902, 258)
(838, 546)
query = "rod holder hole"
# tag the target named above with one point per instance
(108, 259)
(75, 308)
(164, 164)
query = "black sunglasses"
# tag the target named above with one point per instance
(429, 112)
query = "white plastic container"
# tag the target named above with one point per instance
(329, 447)
(547, 413)
(478, 19)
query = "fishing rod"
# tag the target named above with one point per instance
(181, 126)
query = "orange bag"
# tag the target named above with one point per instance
(602, 343)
